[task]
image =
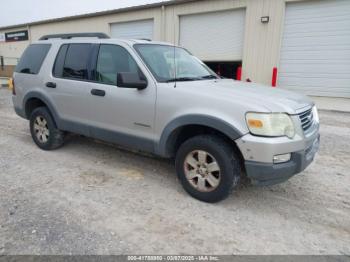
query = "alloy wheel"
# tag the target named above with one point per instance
(41, 129)
(202, 171)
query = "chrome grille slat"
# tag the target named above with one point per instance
(305, 127)
(305, 114)
(306, 119)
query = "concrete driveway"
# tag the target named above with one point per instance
(92, 198)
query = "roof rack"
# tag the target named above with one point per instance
(69, 36)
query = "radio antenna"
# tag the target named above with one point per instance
(175, 68)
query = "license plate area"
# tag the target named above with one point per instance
(312, 150)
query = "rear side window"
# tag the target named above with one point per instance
(76, 61)
(32, 59)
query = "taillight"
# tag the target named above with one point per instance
(12, 84)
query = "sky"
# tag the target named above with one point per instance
(15, 12)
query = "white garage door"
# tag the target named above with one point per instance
(216, 36)
(315, 55)
(133, 30)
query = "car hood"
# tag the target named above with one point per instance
(273, 99)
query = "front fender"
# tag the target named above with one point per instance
(169, 132)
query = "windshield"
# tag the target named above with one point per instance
(161, 60)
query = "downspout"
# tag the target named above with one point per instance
(29, 34)
(163, 24)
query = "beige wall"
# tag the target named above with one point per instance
(12, 51)
(98, 24)
(261, 43)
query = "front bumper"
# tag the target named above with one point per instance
(263, 174)
(258, 153)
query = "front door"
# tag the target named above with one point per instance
(121, 115)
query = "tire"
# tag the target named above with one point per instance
(218, 151)
(44, 130)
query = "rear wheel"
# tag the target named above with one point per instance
(207, 167)
(44, 131)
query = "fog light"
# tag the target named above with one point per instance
(281, 158)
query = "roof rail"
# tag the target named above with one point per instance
(69, 36)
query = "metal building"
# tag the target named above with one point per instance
(307, 41)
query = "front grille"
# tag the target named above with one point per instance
(306, 119)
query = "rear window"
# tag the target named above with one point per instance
(32, 59)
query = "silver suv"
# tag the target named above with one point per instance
(160, 99)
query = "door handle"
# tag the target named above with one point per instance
(51, 85)
(98, 92)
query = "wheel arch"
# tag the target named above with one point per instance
(33, 100)
(187, 126)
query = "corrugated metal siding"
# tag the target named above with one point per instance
(100, 23)
(262, 42)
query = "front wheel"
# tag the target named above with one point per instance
(207, 167)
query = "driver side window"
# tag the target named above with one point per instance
(113, 59)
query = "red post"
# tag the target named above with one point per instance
(219, 70)
(274, 77)
(239, 73)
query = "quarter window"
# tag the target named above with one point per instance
(32, 59)
(113, 59)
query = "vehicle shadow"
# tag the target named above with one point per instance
(154, 167)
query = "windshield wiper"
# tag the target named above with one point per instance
(209, 77)
(182, 79)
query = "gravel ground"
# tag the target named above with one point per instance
(92, 198)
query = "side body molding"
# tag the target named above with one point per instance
(170, 131)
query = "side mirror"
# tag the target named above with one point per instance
(130, 80)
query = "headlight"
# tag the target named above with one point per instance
(270, 124)
(315, 114)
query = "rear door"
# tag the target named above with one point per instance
(70, 87)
